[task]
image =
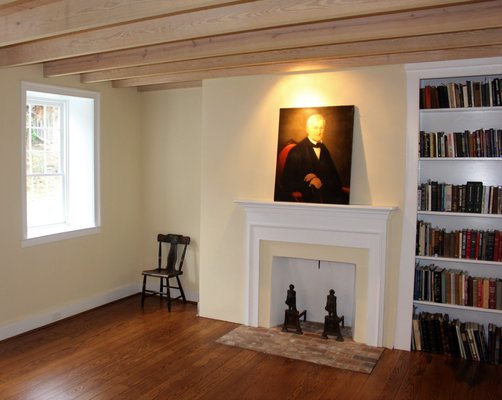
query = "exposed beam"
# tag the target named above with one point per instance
(22, 21)
(217, 21)
(169, 86)
(319, 65)
(373, 47)
(423, 22)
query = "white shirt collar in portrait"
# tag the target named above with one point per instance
(317, 150)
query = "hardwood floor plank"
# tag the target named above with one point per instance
(132, 357)
(121, 351)
(165, 370)
(386, 377)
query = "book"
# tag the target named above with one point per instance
(492, 293)
(465, 342)
(498, 294)
(460, 341)
(476, 94)
(416, 333)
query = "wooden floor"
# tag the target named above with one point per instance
(122, 352)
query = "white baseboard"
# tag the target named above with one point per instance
(36, 321)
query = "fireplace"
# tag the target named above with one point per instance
(339, 233)
(312, 280)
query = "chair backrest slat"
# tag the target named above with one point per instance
(172, 257)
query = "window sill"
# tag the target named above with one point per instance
(43, 235)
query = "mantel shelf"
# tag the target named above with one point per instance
(327, 208)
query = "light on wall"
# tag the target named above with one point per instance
(306, 91)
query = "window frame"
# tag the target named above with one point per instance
(50, 233)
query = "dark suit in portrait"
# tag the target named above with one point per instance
(302, 161)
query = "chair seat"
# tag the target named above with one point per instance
(161, 273)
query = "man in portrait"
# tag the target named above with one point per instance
(308, 173)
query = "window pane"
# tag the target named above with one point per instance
(53, 116)
(37, 162)
(52, 163)
(45, 200)
(53, 140)
(45, 191)
(37, 139)
(37, 115)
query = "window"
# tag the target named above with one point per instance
(60, 162)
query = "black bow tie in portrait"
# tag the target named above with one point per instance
(318, 144)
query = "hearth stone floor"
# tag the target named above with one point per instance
(308, 347)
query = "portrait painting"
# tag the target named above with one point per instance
(314, 154)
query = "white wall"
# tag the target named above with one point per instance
(239, 145)
(42, 283)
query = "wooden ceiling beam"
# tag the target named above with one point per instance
(423, 22)
(359, 49)
(30, 20)
(316, 66)
(235, 18)
(170, 86)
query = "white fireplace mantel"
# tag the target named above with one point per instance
(353, 226)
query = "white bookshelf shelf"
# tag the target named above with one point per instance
(459, 260)
(459, 215)
(459, 159)
(457, 307)
(462, 110)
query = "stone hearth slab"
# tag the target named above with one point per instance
(307, 347)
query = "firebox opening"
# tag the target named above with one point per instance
(312, 280)
(281, 262)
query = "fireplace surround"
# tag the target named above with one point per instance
(343, 233)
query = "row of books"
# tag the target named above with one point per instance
(477, 143)
(435, 333)
(453, 286)
(470, 244)
(471, 197)
(487, 93)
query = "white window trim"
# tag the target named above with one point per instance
(72, 232)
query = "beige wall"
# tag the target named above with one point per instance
(58, 277)
(171, 126)
(239, 145)
(176, 161)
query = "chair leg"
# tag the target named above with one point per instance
(181, 289)
(161, 288)
(168, 295)
(143, 291)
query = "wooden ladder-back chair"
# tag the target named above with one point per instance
(172, 269)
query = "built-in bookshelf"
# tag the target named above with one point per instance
(458, 264)
(453, 224)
